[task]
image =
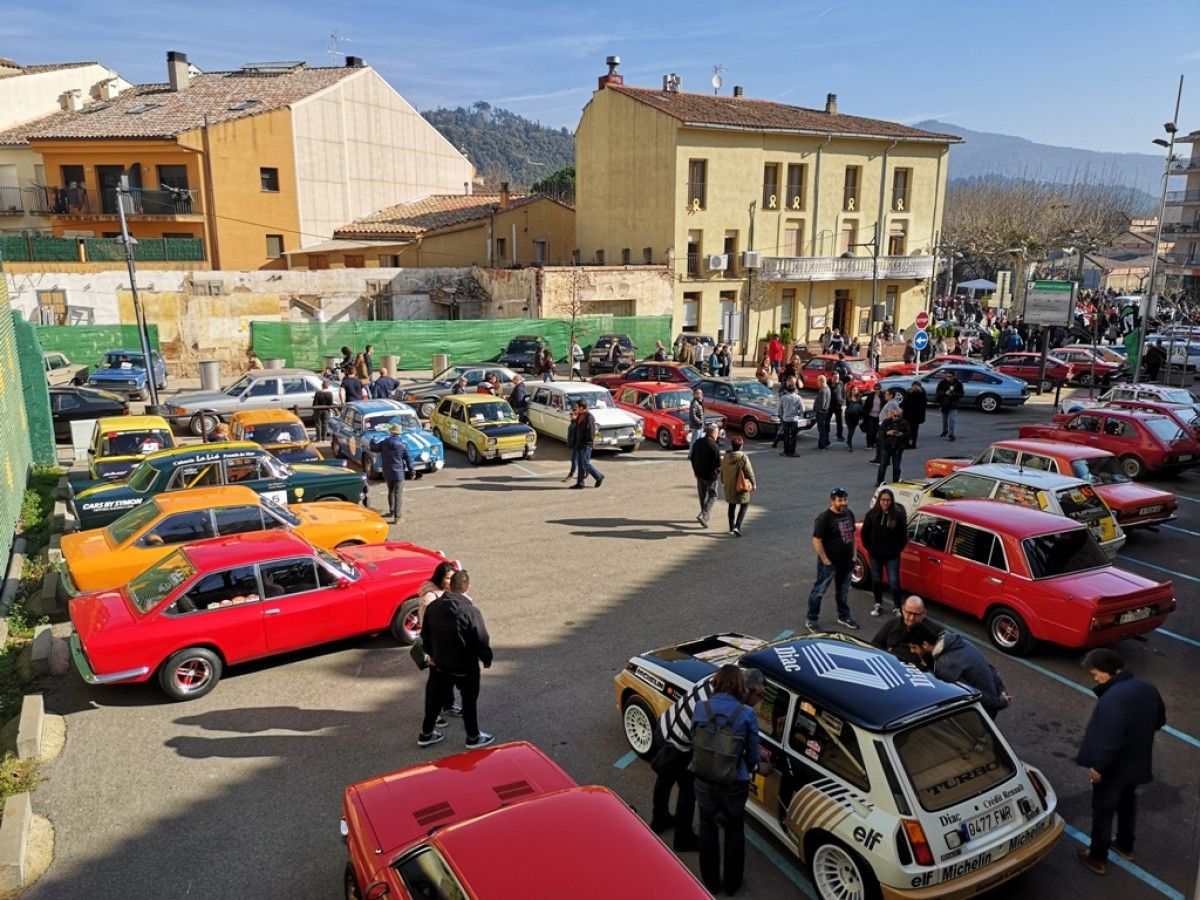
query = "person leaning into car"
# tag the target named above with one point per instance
(892, 635)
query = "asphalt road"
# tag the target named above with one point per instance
(238, 794)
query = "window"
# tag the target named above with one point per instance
(953, 759)
(730, 322)
(889, 302)
(188, 526)
(625, 256)
(786, 306)
(501, 249)
(931, 531)
(318, 261)
(978, 546)
(389, 260)
(900, 182)
(847, 237)
(241, 519)
(821, 736)
(793, 238)
(289, 576)
(426, 874)
(691, 311)
(264, 387)
(693, 253)
(1038, 462)
(771, 712)
(457, 414)
(229, 588)
(52, 307)
(1017, 494)
(444, 409)
(898, 239)
(599, 257)
(299, 386)
(195, 476)
(697, 184)
(770, 186)
(1002, 456)
(850, 188)
(268, 177)
(241, 470)
(1051, 555)
(796, 177)
(1119, 428)
(275, 250)
(354, 261)
(730, 251)
(1085, 423)
(539, 251)
(958, 487)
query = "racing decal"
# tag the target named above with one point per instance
(277, 497)
(812, 808)
(829, 661)
(103, 505)
(200, 458)
(650, 678)
(454, 433)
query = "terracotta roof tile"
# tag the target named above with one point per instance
(744, 112)
(211, 94)
(426, 214)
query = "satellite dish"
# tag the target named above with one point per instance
(716, 82)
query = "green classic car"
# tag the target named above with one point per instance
(236, 462)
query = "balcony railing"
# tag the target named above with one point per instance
(10, 202)
(1181, 227)
(1183, 196)
(1183, 166)
(76, 201)
(836, 268)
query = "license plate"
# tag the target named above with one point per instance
(1134, 615)
(511, 454)
(989, 821)
(608, 440)
(1187, 457)
(1149, 510)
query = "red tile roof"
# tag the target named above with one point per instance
(427, 214)
(763, 115)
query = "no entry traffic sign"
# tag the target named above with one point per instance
(923, 319)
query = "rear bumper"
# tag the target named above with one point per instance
(84, 667)
(1147, 521)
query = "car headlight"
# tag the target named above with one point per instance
(775, 420)
(424, 457)
(491, 442)
(531, 438)
(637, 429)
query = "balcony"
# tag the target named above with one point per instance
(1184, 166)
(836, 268)
(78, 203)
(1191, 228)
(10, 202)
(1178, 197)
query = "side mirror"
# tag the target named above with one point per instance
(91, 451)
(342, 584)
(377, 891)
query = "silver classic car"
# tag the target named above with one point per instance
(291, 389)
(424, 395)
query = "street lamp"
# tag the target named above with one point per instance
(873, 243)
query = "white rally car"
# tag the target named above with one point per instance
(550, 404)
(885, 779)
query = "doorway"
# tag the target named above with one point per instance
(843, 311)
(109, 179)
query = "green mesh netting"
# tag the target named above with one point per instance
(14, 446)
(85, 345)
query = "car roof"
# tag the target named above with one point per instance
(259, 416)
(569, 387)
(656, 387)
(1033, 477)
(202, 498)
(131, 423)
(1123, 412)
(1018, 521)
(273, 373)
(472, 399)
(164, 458)
(245, 549)
(853, 680)
(834, 356)
(1057, 448)
(366, 407)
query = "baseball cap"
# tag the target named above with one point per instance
(838, 492)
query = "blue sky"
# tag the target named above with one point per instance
(1100, 74)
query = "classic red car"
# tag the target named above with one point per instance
(1143, 442)
(1026, 366)
(1183, 413)
(669, 372)
(1090, 368)
(911, 368)
(505, 822)
(227, 600)
(861, 373)
(1133, 504)
(1030, 575)
(663, 408)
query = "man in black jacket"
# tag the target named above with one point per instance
(706, 466)
(949, 393)
(518, 398)
(1118, 750)
(456, 642)
(892, 635)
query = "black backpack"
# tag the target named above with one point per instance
(716, 749)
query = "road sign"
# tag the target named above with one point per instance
(1050, 303)
(923, 319)
(921, 340)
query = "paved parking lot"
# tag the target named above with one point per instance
(238, 794)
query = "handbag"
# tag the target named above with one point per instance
(419, 657)
(668, 758)
(743, 484)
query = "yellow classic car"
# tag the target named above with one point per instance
(119, 443)
(483, 427)
(105, 558)
(278, 430)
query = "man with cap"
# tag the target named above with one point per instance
(833, 539)
(397, 466)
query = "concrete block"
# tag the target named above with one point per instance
(39, 656)
(14, 841)
(12, 579)
(60, 515)
(64, 490)
(29, 731)
(45, 601)
(54, 553)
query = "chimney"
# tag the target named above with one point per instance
(831, 104)
(71, 100)
(504, 198)
(737, 90)
(355, 62)
(612, 77)
(177, 70)
(108, 90)
(672, 83)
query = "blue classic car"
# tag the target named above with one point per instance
(364, 421)
(982, 388)
(124, 372)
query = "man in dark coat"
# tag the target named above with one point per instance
(397, 465)
(518, 398)
(955, 660)
(892, 635)
(913, 411)
(1118, 750)
(706, 466)
(582, 442)
(384, 386)
(456, 641)
(949, 393)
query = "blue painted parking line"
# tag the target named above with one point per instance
(784, 865)
(1062, 679)
(1178, 637)
(626, 761)
(1182, 530)
(784, 635)
(1171, 572)
(1136, 871)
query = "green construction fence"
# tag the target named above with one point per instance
(85, 345)
(466, 340)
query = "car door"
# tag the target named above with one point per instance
(713, 401)
(305, 604)
(353, 419)
(261, 474)
(297, 395)
(556, 414)
(195, 475)
(1120, 437)
(261, 394)
(772, 792)
(1083, 428)
(974, 572)
(222, 609)
(923, 555)
(458, 425)
(641, 373)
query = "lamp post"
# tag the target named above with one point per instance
(873, 243)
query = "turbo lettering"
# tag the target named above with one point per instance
(963, 777)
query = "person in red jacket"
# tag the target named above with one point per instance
(775, 353)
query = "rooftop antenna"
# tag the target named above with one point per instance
(336, 40)
(717, 80)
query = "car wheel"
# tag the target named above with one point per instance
(838, 872)
(1084, 379)
(1009, 632)
(144, 395)
(750, 427)
(368, 468)
(405, 628)
(202, 424)
(474, 457)
(350, 881)
(860, 572)
(190, 674)
(989, 403)
(427, 407)
(1133, 467)
(664, 438)
(641, 726)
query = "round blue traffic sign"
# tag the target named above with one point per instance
(921, 340)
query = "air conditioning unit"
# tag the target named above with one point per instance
(718, 263)
(752, 259)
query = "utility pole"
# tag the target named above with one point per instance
(123, 195)
(749, 287)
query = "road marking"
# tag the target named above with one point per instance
(1136, 871)
(626, 761)
(1178, 637)
(1187, 498)
(529, 473)
(1183, 530)
(1062, 679)
(1172, 572)
(784, 865)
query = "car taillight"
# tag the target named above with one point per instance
(1105, 621)
(180, 411)
(916, 837)
(1038, 786)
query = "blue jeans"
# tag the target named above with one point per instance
(893, 577)
(949, 419)
(584, 467)
(722, 808)
(822, 429)
(889, 454)
(840, 576)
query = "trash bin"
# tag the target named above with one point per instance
(210, 374)
(274, 363)
(441, 362)
(391, 362)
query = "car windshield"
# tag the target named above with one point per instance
(152, 586)
(132, 522)
(130, 443)
(594, 400)
(952, 759)
(276, 433)
(124, 361)
(490, 413)
(425, 873)
(380, 421)
(673, 400)
(1099, 470)
(450, 375)
(142, 478)
(1177, 395)
(1051, 555)
(753, 391)
(339, 565)
(691, 374)
(857, 366)
(235, 389)
(1164, 429)
(523, 346)
(1082, 504)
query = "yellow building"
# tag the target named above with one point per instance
(252, 162)
(488, 230)
(767, 213)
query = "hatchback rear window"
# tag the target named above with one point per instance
(952, 759)
(1164, 429)
(1082, 504)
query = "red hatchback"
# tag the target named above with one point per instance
(1183, 413)
(502, 823)
(663, 409)
(911, 368)
(227, 600)
(669, 372)
(1030, 575)
(1026, 366)
(1143, 442)
(861, 373)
